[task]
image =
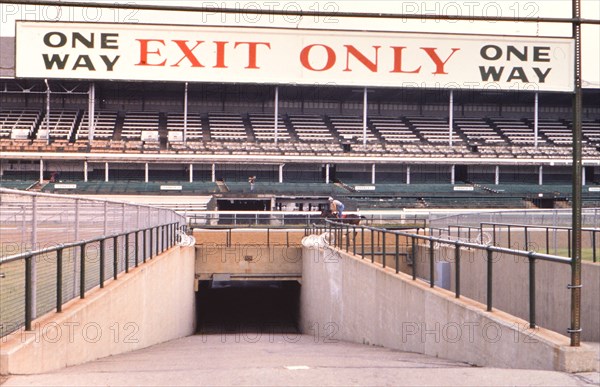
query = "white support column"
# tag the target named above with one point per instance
(327, 174)
(185, 113)
(276, 114)
(91, 111)
(365, 104)
(191, 173)
(281, 173)
(41, 170)
(213, 173)
(373, 169)
(583, 179)
(541, 175)
(453, 174)
(106, 172)
(408, 174)
(497, 178)
(146, 172)
(85, 171)
(451, 118)
(535, 120)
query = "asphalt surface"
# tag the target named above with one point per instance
(286, 360)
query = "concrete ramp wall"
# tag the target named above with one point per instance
(154, 303)
(346, 298)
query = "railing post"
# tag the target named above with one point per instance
(489, 279)
(157, 240)
(532, 322)
(547, 240)
(594, 258)
(102, 261)
(397, 258)
(526, 239)
(137, 247)
(414, 258)
(82, 272)
(151, 244)
(353, 240)
(28, 292)
(457, 270)
(347, 238)
(115, 257)
(144, 252)
(59, 279)
(362, 242)
(126, 253)
(383, 248)
(372, 247)
(431, 264)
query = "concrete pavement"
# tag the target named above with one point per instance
(286, 360)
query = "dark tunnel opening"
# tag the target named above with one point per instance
(247, 307)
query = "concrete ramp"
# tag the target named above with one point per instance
(360, 301)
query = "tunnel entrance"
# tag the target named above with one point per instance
(268, 307)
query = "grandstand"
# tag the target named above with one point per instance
(383, 148)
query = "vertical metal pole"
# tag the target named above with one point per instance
(362, 242)
(489, 280)
(372, 247)
(144, 232)
(102, 261)
(191, 173)
(408, 174)
(457, 270)
(41, 171)
(146, 173)
(497, 176)
(106, 172)
(383, 248)
(213, 173)
(526, 247)
(414, 255)
(85, 171)
(47, 122)
(431, 264)
(82, 272)
(365, 105)
(575, 329)
(29, 291)
(59, 279)
(185, 113)
(535, 119)
(126, 253)
(276, 114)
(451, 118)
(91, 111)
(33, 263)
(151, 242)
(115, 257)
(397, 257)
(541, 175)
(532, 322)
(594, 246)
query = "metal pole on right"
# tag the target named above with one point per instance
(575, 286)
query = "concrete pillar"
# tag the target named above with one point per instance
(583, 176)
(41, 171)
(106, 172)
(213, 172)
(85, 171)
(453, 174)
(281, 173)
(541, 175)
(327, 174)
(408, 174)
(373, 169)
(191, 173)
(146, 172)
(497, 178)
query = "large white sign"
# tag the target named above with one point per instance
(290, 56)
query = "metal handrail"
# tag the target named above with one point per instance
(166, 237)
(337, 229)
